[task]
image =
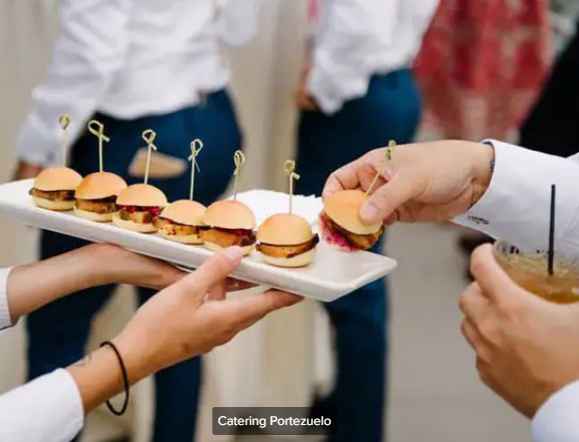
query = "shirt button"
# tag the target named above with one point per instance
(478, 220)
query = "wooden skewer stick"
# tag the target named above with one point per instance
(193, 158)
(289, 168)
(149, 136)
(389, 152)
(98, 130)
(239, 161)
(64, 123)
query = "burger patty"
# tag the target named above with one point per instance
(53, 195)
(100, 206)
(173, 229)
(138, 214)
(228, 237)
(362, 242)
(289, 251)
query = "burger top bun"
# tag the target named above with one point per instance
(284, 229)
(344, 207)
(185, 212)
(100, 185)
(229, 214)
(143, 195)
(57, 178)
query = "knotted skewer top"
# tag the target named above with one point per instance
(96, 128)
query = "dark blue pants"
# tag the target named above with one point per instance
(390, 110)
(58, 333)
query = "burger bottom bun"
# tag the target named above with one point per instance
(184, 239)
(217, 248)
(60, 206)
(130, 225)
(98, 217)
(300, 260)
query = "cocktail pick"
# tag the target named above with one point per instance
(98, 130)
(551, 253)
(239, 161)
(64, 123)
(389, 152)
(196, 147)
(289, 168)
(149, 136)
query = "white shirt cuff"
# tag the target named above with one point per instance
(48, 409)
(5, 318)
(558, 418)
(516, 206)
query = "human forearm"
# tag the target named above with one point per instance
(34, 285)
(99, 375)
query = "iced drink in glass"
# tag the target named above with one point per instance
(530, 271)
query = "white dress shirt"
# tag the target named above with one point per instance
(131, 58)
(357, 39)
(48, 409)
(516, 208)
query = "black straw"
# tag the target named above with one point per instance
(552, 231)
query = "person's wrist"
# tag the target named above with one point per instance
(108, 263)
(100, 265)
(483, 168)
(139, 353)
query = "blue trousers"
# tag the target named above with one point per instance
(57, 333)
(390, 110)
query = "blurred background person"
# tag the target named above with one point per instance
(480, 69)
(133, 66)
(357, 92)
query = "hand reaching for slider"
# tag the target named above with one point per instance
(422, 182)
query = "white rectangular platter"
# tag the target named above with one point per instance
(332, 275)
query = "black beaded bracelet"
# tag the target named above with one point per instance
(125, 380)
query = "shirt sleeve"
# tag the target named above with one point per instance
(48, 409)
(557, 420)
(516, 206)
(238, 21)
(88, 51)
(345, 48)
(5, 318)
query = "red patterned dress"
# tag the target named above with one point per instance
(482, 66)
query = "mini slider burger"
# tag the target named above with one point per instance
(181, 221)
(341, 225)
(229, 223)
(54, 188)
(138, 206)
(96, 196)
(287, 240)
